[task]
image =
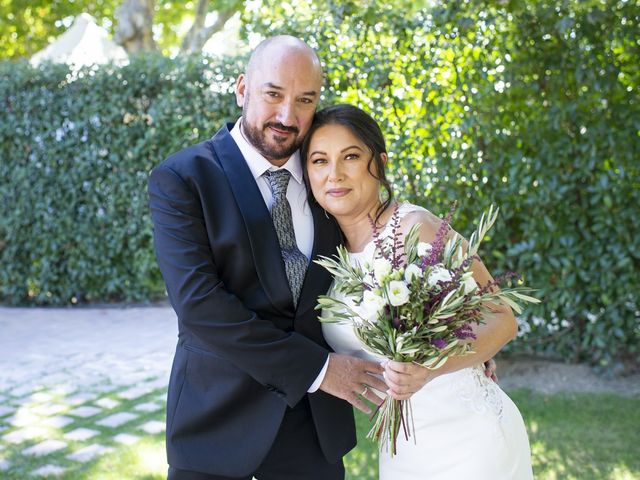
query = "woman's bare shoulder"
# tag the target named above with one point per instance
(428, 221)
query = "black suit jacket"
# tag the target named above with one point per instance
(244, 352)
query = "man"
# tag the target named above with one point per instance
(254, 390)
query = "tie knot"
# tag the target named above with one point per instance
(278, 181)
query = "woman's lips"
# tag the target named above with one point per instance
(338, 192)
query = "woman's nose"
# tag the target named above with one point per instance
(335, 172)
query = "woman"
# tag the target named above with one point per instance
(466, 426)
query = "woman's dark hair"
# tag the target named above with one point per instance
(366, 130)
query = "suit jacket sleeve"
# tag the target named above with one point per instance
(285, 362)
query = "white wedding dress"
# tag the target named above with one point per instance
(466, 427)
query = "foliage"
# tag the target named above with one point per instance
(532, 106)
(77, 150)
(27, 26)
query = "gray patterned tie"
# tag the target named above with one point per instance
(295, 263)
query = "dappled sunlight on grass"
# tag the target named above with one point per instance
(362, 462)
(144, 460)
(576, 437)
(573, 437)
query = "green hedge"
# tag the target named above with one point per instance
(533, 106)
(76, 152)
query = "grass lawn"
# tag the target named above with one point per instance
(573, 437)
(579, 437)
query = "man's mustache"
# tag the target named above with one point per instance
(282, 127)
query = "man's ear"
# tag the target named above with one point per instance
(241, 85)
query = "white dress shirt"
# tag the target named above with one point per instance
(296, 195)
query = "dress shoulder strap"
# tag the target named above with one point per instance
(406, 208)
(403, 209)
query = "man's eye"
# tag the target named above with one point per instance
(306, 100)
(272, 94)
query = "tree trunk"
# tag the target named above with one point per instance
(198, 34)
(135, 21)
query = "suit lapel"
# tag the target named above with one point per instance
(318, 280)
(262, 235)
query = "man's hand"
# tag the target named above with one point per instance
(490, 369)
(352, 379)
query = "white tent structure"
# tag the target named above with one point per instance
(84, 43)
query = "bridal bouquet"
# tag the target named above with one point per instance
(413, 302)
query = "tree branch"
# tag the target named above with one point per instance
(135, 21)
(198, 34)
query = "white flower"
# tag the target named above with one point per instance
(371, 306)
(381, 268)
(412, 272)
(438, 274)
(398, 293)
(424, 249)
(469, 283)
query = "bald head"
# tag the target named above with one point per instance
(283, 49)
(278, 94)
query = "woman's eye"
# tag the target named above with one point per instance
(352, 156)
(317, 161)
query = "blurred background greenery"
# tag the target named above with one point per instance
(532, 106)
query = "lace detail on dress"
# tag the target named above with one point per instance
(481, 394)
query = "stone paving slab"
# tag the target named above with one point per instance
(148, 407)
(6, 410)
(88, 453)
(81, 434)
(107, 403)
(117, 419)
(60, 340)
(84, 412)
(48, 471)
(19, 436)
(48, 409)
(126, 439)
(153, 427)
(45, 448)
(57, 422)
(67, 372)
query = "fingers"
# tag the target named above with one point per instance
(397, 391)
(405, 374)
(346, 377)
(396, 396)
(405, 379)
(358, 403)
(370, 395)
(372, 367)
(375, 382)
(399, 367)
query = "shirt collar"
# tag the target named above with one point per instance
(257, 163)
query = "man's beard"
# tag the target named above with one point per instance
(258, 138)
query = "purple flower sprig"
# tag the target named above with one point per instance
(496, 282)
(394, 255)
(435, 256)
